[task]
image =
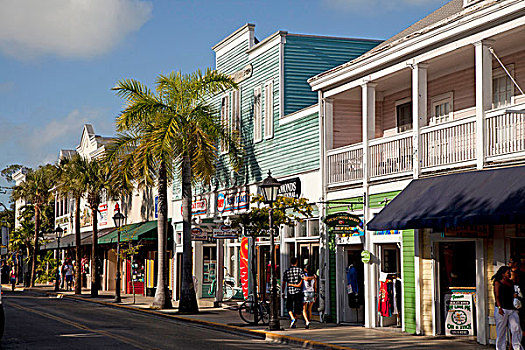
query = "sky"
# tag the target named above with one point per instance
(59, 59)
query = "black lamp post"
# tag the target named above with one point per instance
(118, 219)
(270, 188)
(58, 233)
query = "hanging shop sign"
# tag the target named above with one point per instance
(343, 223)
(242, 74)
(197, 234)
(473, 231)
(103, 214)
(227, 202)
(366, 256)
(459, 315)
(290, 188)
(224, 232)
(244, 266)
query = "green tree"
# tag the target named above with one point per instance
(21, 239)
(70, 183)
(36, 190)
(172, 129)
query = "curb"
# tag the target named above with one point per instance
(260, 334)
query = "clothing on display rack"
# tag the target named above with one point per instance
(352, 287)
(389, 295)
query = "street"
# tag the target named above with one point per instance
(40, 322)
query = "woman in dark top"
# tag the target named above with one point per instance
(505, 313)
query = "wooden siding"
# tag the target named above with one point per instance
(388, 111)
(234, 59)
(462, 84)
(409, 281)
(347, 121)
(306, 56)
(427, 294)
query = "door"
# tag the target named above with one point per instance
(309, 255)
(353, 297)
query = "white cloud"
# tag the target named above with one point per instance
(379, 6)
(68, 28)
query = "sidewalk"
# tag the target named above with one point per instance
(320, 335)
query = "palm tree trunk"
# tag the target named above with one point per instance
(162, 299)
(94, 247)
(78, 276)
(188, 300)
(35, 245)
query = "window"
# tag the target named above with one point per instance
(404, 116)
(236, 110)
(225, 118)
(441, 108)
(257, 115)
(268, 110)
(502, 87)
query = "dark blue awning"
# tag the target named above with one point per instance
(484, 197)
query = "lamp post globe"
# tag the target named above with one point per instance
(270, 188)
(118, 219)
(58, 233)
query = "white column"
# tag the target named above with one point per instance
(483, 94)
(329, 123)
(481, 292)
(325, 123)
(419, 112)
(368, 110)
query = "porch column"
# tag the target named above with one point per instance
(483, 61)
(419, 113)
(219, 272)
(368, 109)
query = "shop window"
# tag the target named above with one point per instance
(236, 110)
(313, 228)
(390, 260)
(225, 118)
(300, 229)
(257, 114)
(268, 110)
(502, 87)
(404, 115)
(441, 108)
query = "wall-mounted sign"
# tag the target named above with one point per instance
(343, 223)
(366, 256)
(388, 232)
(232, 201)
(242, 74)
(103, 214)
(198, 207)
(224, 232)
(197, 234)
(473, 231)
(290, 188)
(459, 315)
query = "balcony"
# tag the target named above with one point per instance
(444, 147)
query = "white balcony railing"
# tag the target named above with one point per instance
(505, 132)
(345, 164)
(391, 155)
(448, 143)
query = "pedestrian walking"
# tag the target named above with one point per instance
(505, 314)
(13, 277)
(309, 293)
(294, 297)
(68, 270)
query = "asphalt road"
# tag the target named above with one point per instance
(40, 322)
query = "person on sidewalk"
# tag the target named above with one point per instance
(292, 279)
(309, 283)
(13, 278)
(505, 313)
(68, 270)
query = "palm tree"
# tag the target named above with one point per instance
(36, 191)
(70, 184)
(172, 129)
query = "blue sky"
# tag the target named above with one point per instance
(60, 58)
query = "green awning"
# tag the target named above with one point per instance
(133, 232)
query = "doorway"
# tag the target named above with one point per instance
(389, 288)
(354, 286)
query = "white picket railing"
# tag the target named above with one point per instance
(505, 133)
(448, 143)
(391, 155)
(345, 164)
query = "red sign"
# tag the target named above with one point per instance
(244, 266)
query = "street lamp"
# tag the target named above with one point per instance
(118, 219)
(270, 188)
(58, 233)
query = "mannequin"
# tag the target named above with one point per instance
(352, 289)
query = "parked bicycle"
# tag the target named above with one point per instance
(253, 313)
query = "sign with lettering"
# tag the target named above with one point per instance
(473, 231)
(343, 223)
(224, 232)
(242, 74)
(102, 214)
(197, 234)
(290, 188)
(227, 202)
(459, 316)
(198, 207)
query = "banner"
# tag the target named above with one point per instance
(244, 266)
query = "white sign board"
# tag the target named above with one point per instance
(5, 240)
(224, 231)
(459, 316)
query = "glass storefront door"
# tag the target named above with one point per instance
(309, 255)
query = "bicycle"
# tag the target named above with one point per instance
(252, 313)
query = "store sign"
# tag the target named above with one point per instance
(244, 266)
(366, 256)
(227, 202)
(242, 74)
(459, 316)
(197, 234)
(224, 232)
(343, 223)
(290, 188)
(198, 207)
(473, 231)
(103, 214)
